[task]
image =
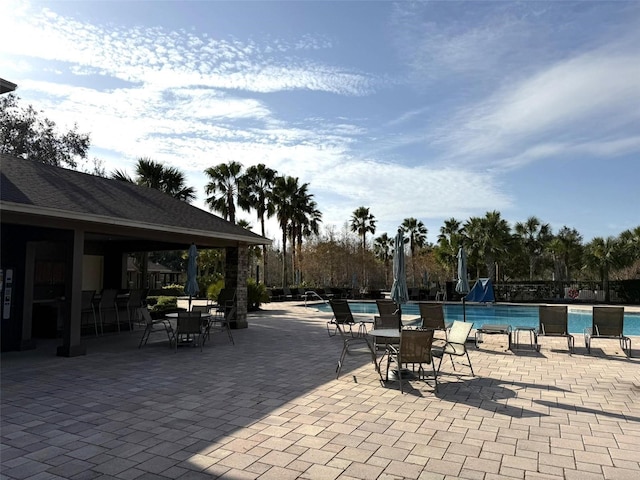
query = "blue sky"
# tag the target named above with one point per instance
(429, 110)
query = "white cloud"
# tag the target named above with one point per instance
(584, 99)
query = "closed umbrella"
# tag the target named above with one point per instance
(399, 292)
(462, 287)
(191, 287)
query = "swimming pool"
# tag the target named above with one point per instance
(514, 315)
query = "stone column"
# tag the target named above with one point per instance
(236, 272)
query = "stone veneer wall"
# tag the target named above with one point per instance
(236, 272)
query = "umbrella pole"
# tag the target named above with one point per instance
(189, 309)
(464, 310)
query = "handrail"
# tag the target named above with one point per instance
(313, 293)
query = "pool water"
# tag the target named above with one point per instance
(514, 315)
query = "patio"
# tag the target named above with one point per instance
(270, 408)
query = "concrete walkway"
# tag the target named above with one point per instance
(270, 408)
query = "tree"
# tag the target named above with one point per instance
(566, 247)
(603, 255)
(488, 240)
(534, 236)
(305, 222)
(169, 180)
(449, 241)
(383, 250)
(417, 233)
(152, 174)
(223, 189)
(26, 134)
(256, 186)
(363, 222)
(284, 191)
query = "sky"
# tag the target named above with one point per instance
(430, 110)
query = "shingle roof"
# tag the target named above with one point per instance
(45, 189)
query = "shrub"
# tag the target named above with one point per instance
(173, 290)
(213, 290)
(162, 303)
(256, 295)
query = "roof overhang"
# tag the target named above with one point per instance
(6, 86)
(115, 229)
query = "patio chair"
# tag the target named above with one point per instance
(554, 322)
(351, 345)
(386, 307)
(432, 316)
(189, 329)
(414, 348)
(456, 344)
(154, 326)
(134, 303)
(89, 308)
(220, 322)
(341, 315)
(607, 323)
(108, 303)
(385, 321)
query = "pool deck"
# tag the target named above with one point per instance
(270, 408)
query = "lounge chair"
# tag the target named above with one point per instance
(456, 344)
(554, 322)
(607, 323)
(414, 348)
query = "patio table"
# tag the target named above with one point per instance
(494, 329)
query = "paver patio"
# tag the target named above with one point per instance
(270, 408)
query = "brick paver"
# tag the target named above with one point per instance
(270, 408)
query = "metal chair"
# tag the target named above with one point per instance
(414, 348)
(219, 322)
(342, 316)
(89, 307)
(154, 326)
(456, 344)
(189, 329)
(554, 322)
(386, 307)
(108, 303)
(385, 321)
(608, 323)
(353, 346)
(134, 303)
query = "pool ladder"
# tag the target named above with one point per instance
(313, 293)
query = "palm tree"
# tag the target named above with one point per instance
(169, 180)
(449, 241)
(283, 194)
(567, 246)
(417, 233)
(488, 240)
(152, 174)
(383, 250)
(363, 222)
(223, 189)
(304, 223)
(534, 236)
(603, 255)
(256, 186)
